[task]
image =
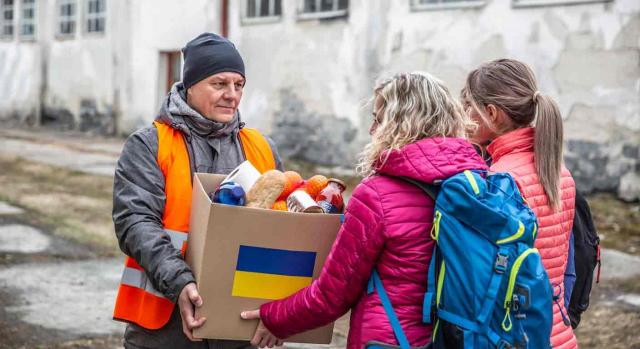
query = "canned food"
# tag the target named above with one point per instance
(300, 201)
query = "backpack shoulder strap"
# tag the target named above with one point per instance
(430, 189)
(375, 283)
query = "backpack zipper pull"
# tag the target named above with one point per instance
(556, 300)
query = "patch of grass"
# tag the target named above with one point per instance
(71, 204)
(617, 222)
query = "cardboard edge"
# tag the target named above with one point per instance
(198, 226)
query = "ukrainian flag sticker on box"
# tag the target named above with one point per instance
(269, 273)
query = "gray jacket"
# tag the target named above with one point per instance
(138, 188)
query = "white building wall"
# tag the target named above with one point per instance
(103, 83)
(82, 70)
(160, 26)
(308, 80)
(313, 75)
(21, 73)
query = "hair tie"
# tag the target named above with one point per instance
(535, 96)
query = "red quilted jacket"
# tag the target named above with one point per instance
(387, 225)
(513, 153)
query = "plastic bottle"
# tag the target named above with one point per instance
(330, 198)
(229, 193)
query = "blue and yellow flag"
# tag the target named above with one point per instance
(269, 273)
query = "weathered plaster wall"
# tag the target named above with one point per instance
(81, 79)
(586, 56)
(159, 26)
(62, 82)
(20, 81)
(101, 83)
(21, 76)
(311, 75)
(308, 80)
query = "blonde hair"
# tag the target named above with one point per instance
(414, 106)
(511, 86)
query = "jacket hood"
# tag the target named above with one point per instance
(178, 114)
(432, 159)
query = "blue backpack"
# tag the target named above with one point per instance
(486, 285)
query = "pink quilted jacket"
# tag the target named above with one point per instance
(513, 153)
(387, 225)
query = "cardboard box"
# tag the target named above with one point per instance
(234, 250)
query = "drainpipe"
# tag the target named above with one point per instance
(225, 18)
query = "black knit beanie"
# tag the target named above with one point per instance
(209, 54)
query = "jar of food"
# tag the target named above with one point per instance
(330, 198)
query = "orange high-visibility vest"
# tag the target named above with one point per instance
(137, 300)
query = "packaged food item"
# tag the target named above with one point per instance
(330, 198)
(229, 193)
(266, 190)
(301, 201)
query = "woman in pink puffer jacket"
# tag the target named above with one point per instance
(387, 221)
(503, 98)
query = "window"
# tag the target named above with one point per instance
(445, 4)
(28, 19)
(535, 3)
(312, 9)
(96, 14)
(67, 10)
(6, 19)
(263, 8)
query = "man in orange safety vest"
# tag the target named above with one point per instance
(198, 129)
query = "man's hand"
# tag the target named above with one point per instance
(189, 298)
(263, 337)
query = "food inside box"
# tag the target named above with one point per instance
(282, 191)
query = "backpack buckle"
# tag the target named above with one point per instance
(503, 344)
(502, 261)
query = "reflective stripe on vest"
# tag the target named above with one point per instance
(137, 278)
(137, 300)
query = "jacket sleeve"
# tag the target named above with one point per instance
(138, 205)
(344, 275)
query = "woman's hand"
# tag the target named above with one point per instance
(263, 337)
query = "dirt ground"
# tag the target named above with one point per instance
(71, 204)
(609, 323)
(76, 207)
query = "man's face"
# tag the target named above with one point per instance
(217, 97)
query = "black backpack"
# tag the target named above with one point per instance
(586, 258)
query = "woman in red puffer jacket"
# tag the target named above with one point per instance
(416, 132)
(522, 132)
